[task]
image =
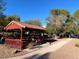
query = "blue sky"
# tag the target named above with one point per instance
(31, 9)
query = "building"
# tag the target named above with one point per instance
(21, 34)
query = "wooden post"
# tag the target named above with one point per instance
(21, 37)
(21, 34)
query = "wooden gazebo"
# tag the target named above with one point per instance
(20, 34)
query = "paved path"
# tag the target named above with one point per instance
(48, 48)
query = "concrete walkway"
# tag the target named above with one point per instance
(46, 49)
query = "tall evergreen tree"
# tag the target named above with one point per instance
(2, 7)
(2, 16)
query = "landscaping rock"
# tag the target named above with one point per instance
(16, 51)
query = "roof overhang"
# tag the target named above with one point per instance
(13, 25)
(17, 25)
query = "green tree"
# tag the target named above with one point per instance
(70, 26)
(64, 12)
(76, 14)
(56, 21)
(59, 12)
(2, 16)
(55, 11)
(12, 17)
(2, 7)
(34, 22)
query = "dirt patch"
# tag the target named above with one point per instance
(6, 52)
(69, 51)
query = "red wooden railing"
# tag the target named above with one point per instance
(14, 43)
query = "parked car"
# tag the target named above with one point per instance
(75, 36)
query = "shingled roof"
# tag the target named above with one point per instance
(15, 25)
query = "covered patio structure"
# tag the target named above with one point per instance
(21, 34)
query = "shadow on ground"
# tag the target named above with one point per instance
(45, 56)
(46, 41)
(50, 40)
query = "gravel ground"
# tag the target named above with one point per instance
(69, 51)
(6, 52)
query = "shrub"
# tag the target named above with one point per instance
(77, 45)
